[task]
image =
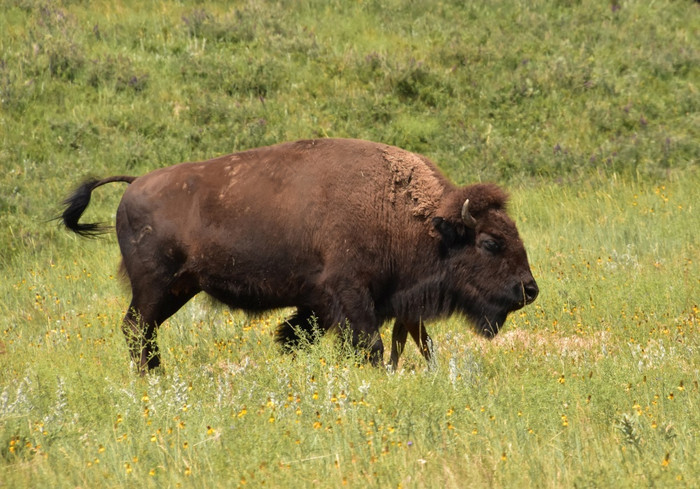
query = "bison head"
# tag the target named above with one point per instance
(487, 270)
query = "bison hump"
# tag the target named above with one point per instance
(415, 180)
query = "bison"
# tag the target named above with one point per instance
(350, 233)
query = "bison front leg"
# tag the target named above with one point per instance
(367, 339)
(398, 341)
(352, 309)
(419, 335)
(363, 332)
(298, 329)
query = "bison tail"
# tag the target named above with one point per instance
(78, 202)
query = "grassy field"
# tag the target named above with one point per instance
(586, 111)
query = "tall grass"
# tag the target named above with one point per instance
(587, 112)
(592, 385)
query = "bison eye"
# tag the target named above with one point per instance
(492, 245)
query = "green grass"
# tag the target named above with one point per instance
(587, 113)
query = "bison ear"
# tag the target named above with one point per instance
(447, 231)
(453, 234)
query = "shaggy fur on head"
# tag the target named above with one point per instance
(482, 198)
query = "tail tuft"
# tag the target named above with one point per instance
(75, 206)
(78, 202)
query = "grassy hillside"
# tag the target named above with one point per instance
(586, 111)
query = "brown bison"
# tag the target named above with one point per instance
(351, 233)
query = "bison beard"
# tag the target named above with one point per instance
(350, 233)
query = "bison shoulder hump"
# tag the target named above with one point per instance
(415, 180)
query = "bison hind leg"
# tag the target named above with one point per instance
(299, 329)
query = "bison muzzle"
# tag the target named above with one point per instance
(350, 233)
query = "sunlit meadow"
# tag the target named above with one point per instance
(586, 112)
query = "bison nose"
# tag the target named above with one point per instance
(531, 291)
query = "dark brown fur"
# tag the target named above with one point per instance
(349, 232)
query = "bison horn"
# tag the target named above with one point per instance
(466, 216)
